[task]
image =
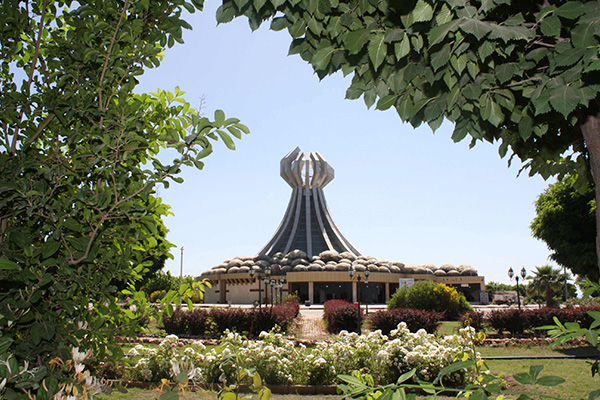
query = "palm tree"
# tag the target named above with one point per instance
(547, 281)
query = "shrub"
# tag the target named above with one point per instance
(476, 319)
(197, 322)
(340, 315)
(511, 320)
(214, 322)
(388, 320)
(431, 296)
(161, 281)
(178, 322)
(157, 295)
(286, 312)
(518, 322)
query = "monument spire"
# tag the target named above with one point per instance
(307, 224)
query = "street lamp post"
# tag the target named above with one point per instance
(365, 277)
(277, 284)
(260, 276)
(523, 275)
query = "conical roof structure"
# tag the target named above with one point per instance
(307, 224)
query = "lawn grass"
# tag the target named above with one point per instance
(448, 328)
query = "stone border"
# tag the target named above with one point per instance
(277, 389)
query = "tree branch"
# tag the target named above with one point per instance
(110, 47)
(36, 54)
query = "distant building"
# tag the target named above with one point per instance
(308, 255)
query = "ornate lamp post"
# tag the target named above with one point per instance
(261, 276)
(355, 275)
(523, 275)
(277, 284)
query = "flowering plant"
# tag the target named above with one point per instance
(281, 361)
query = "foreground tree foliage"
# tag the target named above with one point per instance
(524, 74)
(565, 221)
(78, 167)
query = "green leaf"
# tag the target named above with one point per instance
(551, 26)
(5, 343)
(169, 395)
(321, 58)
(422, 12)
(594, 395)
(7, 264)
(258, 4)
(257, 381)
(279, 23)
(457, 366)
(351, 380)
(225, 13)
(226, 139)
(564, 99)
(219, 117)
(550, 380)
(49, 248)
(441, 57)
(534, 371)
(505, 71)
(264, 393)
(525, 127)
(386, 102)
(438, 33)
(584, 35)
(570, 10)
(406, 376)
(356, 40)
(377, 50)
(324, 6)
(403, 48)
(477, 28)
(523, 378)
(479, 394)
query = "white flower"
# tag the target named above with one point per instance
(79, 356)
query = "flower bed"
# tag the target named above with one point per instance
(280, 361)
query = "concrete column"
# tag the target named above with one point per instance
(354, 292)
(387, 291)
(311, 292)
(222, 291)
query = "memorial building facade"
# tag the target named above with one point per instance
(308, 255)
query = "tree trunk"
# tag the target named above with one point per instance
(591, 134)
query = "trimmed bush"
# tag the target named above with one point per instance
(517, 322)
(511, 320)
(388, 320)
(430, 296)
(178, 322)
(339, 315)
(197, 322)
(213, 322)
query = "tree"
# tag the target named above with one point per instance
(565, 221)
(78, 166)
(499, 287)
(523, 74)
(547, 281)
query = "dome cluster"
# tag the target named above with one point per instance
(299, 261)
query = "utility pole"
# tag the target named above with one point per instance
(181, 269)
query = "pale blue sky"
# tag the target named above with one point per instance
(400, 194)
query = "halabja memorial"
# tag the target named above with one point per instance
(308, 255)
